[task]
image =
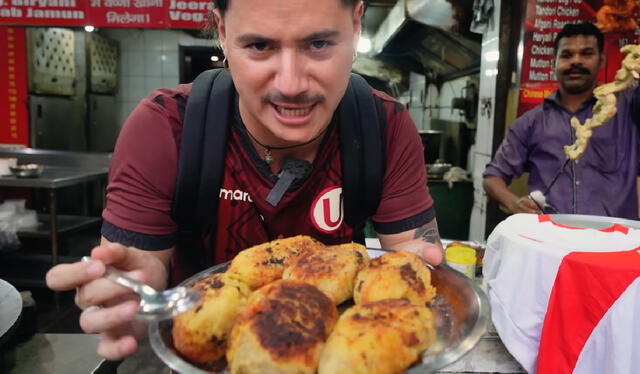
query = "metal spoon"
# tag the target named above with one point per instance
(154, 305)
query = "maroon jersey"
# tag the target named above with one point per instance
(313, 208)
(143, 172)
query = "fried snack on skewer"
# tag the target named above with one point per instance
(394, 275)
(264, 263)
(385, 336)
(282, 329)
(332, 269)
(605, 107)
(201, 333)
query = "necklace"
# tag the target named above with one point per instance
(267, 148)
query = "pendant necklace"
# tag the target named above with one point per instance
(268, 158)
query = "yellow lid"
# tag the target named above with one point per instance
(460, 255)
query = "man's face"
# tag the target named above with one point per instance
(577, 63)
(290, 61)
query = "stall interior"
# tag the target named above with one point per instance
(83, 85)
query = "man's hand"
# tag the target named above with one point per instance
(423, 241)
(496, 188)
(110, 309)
(524, 204)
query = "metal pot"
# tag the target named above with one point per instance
(437, 169)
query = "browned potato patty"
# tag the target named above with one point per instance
(383, 337)
(332, 269)
(395, 275)
(264, 263)
(281, 330)
(200, 334)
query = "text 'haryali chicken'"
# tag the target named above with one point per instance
(275, 311)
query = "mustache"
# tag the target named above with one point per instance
(300, 99)
(576, 69)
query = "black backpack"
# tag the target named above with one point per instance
(205, 130)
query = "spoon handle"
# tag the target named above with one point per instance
(122, 279)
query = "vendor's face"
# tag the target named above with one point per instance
(577, 63)
(290, 61)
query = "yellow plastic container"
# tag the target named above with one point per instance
(462, 259)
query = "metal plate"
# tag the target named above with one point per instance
(592, 222)
(10, 306)
(461, 311)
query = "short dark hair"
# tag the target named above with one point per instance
(582, 28)
(209, 30)
(222, 5)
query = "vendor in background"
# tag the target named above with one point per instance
(290, 62)
(601, 182)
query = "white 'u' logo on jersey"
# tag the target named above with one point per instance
(327, 210)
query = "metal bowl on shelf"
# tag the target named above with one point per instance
(461, 311)
(27, 170)
(437, 169)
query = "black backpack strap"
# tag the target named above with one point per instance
(362, 148)
(201, 161)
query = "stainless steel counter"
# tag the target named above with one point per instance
(52, 178)
(75, 353)
(55, 177)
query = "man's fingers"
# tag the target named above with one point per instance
(117, 348)
(111, 254)
(121, 257)
(531, 205)
(432, 255)
(96, 319)
(65, 277)
(104, 291)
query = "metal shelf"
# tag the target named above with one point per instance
(66, 224)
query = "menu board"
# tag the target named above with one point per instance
(545, 18)
(13, 87)
(184, 14)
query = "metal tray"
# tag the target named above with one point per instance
(592, 222)
(461, 311)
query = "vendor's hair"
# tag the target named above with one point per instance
(583, 28)
(223, 5)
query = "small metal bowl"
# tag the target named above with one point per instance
(437, 170)
(27, 170)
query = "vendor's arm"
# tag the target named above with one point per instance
(424, 241)
(509, 162)
(497, 189)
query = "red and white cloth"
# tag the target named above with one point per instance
(582, 285)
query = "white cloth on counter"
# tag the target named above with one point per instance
(599, 345)
(521, 261)
(455, 174)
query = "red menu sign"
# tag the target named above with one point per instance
(185, 14)
(13, 87)
(544, 19)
